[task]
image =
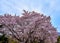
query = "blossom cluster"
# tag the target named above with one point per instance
(29, 27)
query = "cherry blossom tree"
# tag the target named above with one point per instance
(31, 27)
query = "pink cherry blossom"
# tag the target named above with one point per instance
(29, 27)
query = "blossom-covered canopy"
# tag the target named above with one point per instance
(29, 27)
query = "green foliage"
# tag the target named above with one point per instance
(4, 39)
(58, 40)
(11, 40)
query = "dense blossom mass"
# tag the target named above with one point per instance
(29, 27)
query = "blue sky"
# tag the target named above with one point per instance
(47, 7)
